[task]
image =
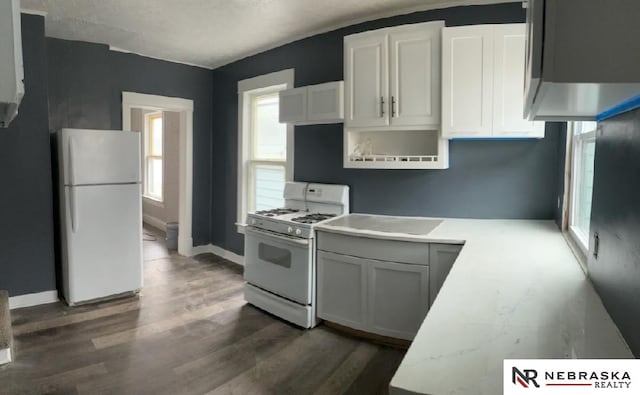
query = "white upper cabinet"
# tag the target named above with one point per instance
(366, 80)
(325, 102)
(392, 78)
(313, 104)
(415, 75)
(293, 105)
(11, 69)
(508, 83)
(467, 81)
(483, 82)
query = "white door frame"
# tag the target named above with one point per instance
(185, 108)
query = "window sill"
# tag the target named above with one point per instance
(153, 201)
(577, 245)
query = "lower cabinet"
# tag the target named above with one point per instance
(398, 298)
(386, 298)
(342, 289)
(441, 259)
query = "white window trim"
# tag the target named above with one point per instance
(581, 240)
(247, 88)
(145, 190)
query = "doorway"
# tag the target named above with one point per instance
(166, 124)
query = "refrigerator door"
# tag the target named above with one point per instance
(102, 241)
(94, 157)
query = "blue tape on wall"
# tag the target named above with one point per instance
(627, 105)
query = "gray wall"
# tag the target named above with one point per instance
(86, 82)
(26, 231)
(487, 179)
(615, 216)
(82, 84)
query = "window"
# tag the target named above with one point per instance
(268, 154)
(265, 146)
(583, 155)
(153, 151)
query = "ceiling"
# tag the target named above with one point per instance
(211, 33)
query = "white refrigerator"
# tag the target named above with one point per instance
(100, 213)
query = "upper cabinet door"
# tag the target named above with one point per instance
(325, 102)
(293, 105)
(366, 80)
(415, 75)
(467, 81)
(508, 84)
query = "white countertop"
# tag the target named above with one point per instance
(515, 291)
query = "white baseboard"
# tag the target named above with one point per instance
(34, 299)
(155, 222)
(221, 252)
(5, 356)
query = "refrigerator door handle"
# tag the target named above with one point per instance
(73, 209)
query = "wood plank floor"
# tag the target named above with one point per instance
(189, 332)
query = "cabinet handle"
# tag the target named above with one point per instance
(381, 107)
(393, 106)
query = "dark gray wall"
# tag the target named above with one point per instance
(82, 84)
(487, 179)
(26, 231)
(615, 216)
(86, 82)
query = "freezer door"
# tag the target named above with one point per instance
(90, 157)
(103, 241)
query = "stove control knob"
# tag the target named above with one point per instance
(289, 229)
(298, 231)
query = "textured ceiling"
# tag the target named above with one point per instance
(211, 33)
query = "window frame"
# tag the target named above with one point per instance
(580, 239)
(148, 119)
(247, 90)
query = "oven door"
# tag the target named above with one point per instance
(279, 263)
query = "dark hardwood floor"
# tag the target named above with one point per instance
(189, 332)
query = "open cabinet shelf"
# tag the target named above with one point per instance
(395, 149)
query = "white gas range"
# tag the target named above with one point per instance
(280, 254)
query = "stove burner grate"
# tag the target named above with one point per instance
(276, 211)
(312, 218)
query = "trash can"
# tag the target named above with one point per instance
(172, 236)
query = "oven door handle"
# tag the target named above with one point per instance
(286, 239)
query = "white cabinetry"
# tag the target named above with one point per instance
(11, 69)
(313, 104)
(415, 76)
(392, 98)
(441, 259)
(386, 298)
(378, 286)
(398, 298)
(342, 289)
(483, 82)
(325, 102)
(293, 105)
(366, 79)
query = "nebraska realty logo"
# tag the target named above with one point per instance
(571, 376)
